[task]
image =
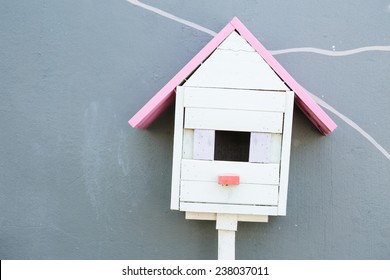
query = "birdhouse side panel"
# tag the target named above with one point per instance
(178, 148)
(285, 153)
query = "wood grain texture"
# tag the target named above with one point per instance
(250, 173)
(237, 99)
(213, 216)
(200, 216)
(233, 120)
(229, 208)
(245, 194)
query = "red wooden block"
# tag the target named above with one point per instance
(229, 180)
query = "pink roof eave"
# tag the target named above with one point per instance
(162, 99)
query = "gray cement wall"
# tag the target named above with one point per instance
(77, 182)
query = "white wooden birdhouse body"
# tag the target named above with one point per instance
(233, 123)
(214, 142)
(232, 135)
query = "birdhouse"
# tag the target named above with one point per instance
(233, 122)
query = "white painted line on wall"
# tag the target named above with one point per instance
(274, 52)
(320, 102)
(331, 53)
(351, 123)
(172, 17)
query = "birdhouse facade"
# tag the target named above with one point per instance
(232, 135)
(233, 122)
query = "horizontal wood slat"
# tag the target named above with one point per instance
(229, 208)
(233, 120)
(213, 216)
(250, 173)
(238, 99)
(211, 192)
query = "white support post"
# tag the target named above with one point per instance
(227, 227)
(226, 244)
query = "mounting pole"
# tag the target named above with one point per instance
(227, 227)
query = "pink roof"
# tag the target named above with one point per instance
(144, 117)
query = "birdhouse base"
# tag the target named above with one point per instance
(204, 216)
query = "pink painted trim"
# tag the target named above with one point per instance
(144, 117)
(154, 107)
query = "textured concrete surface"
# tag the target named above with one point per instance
(77, 182)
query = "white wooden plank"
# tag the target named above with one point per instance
(177, 148)
(188, 143)
(233, 120)
(201, 216)
(260, 147)
(213, 216)
(204, 142)
(250, 173)
(226, 244)
(226, 221)
(211, 192)
(230, 69)
(276, 147)
(238, 99)
(235, 42)
(229, 208)
(253, 218)
(285, 156)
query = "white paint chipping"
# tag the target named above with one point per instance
(292, 50)
(172, 17)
